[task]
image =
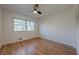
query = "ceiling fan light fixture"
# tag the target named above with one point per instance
(35, 11)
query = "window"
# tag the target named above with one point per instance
(23, 25)
(30, 26)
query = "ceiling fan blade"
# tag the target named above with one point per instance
(39, 12)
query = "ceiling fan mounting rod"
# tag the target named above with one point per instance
(36, 7)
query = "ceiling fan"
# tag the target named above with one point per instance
(36, 9)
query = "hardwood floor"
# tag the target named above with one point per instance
(37, 46)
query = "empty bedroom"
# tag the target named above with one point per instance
(39, 29)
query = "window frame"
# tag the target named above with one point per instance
(34, 26)
(26, 25)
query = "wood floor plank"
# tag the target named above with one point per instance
(37, 46)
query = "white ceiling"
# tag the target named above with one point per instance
(26, 9)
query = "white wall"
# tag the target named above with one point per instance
(77, 35)
(0, 27)
(8, 34)
(59, 27)
(77, 29)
